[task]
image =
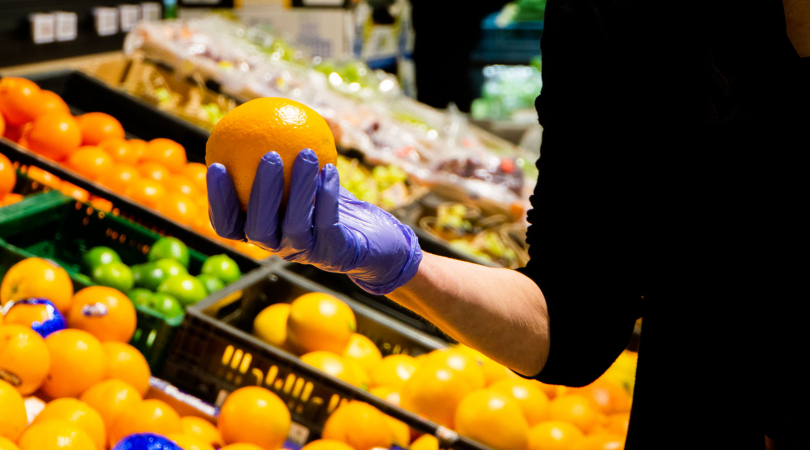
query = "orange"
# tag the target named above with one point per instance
(387, 393)
(197, 173)
(111, 398)
(434, 391)
(187, 442)
(78, 413)
(609, 395)
(55, 434)
(138, 147)
(12, 133)
(5, 444)
(202, 225)
(77, 362)
(554, 435)
(393, 371)
(531, 399)
(46, 178)
(201, 429)
(104, 312)
(320, 444)
(549, 389)
(13, 418)
(601, 441)
(362, 351)
(181, 185)
(97, 127)
(270, 325)
(37, 277)
(24, 358)
(120, 177)
(617, 423)
(493, 419)
(241, 446)
(402, 433)
(493, 371)
(179, 208)
(320, 322)
(125, 362)
(71, 190)
(120, 150)
(8, 176)
(26, 315)
(580, 411)
(91, 162)
(148, 416)
(146, 191)
(334, 365)
(460, 362)
(10, 199)
(101, 204)
(425, 442)
(166, 152)
(249, 249)
(55, 136)
(50, 102)
(19, 100)
(360, 425)
(153, 170)
(2, 125)
(254, 415)
(250, 130)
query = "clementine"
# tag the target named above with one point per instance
(97, 127)
(91, 162)
(55, 135)
(167, 153)
(19, 100)
(554, 435)
(146, 191)
(120, 177)
(120, 150)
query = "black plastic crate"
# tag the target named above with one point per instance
(215, 353)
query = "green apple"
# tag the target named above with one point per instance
(140, 296)
(210, 282)
(97, 256)
(166, 305)
(185, 288)
(171, 248)
(115, 275)
(222, 267)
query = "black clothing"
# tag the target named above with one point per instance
(672, 186)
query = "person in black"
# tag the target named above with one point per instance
(672, 186)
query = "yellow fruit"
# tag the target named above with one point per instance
(531, 399)
(125, 362)
(387, 393)
(55, 434)
(37, 277)
(461, 363)
(493, 371)
(576, 409)
(334, 365)
(319, 321)
(13, 418)
(24, 358)
(610, 397)
(202, 429)
(250, 130)
(363, 351)
(323, 444)
(601, 441)
(554, 435)
(270, 324)
(5, 444)
(425, 442)
(77, 362)
(393, 371)
(360, 425)
(148, 416)
(187, 442)
(254, 415)
(434, 391)
(493, 419)
(78, 413)
(110, 398)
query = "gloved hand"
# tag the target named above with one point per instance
(324, 225)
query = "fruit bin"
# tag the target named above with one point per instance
(54, 226)
(214, 353)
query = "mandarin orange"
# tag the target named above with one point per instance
(97, 127)
(55, 135)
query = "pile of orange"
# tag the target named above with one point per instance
(155, 174)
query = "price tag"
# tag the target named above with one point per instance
(66, 26)
(106, 21)
(130, 14)
(42, 28)
(150, 12)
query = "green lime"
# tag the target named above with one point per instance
(165, 305)
(98, 256)
(148, 276)
(115, 275)
(140, 296)
(171, 267)
(222, 267)
(171, 248)
(210, 282)
(185, 288)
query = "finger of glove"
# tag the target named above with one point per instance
(226, 217)
(326, 216)
(297, 225)
(262, 224)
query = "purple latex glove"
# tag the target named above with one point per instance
(324, 225)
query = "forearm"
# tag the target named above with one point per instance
(500, 312)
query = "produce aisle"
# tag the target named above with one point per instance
(127, 323)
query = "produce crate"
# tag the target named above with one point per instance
(54, 226)
(215, 353)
